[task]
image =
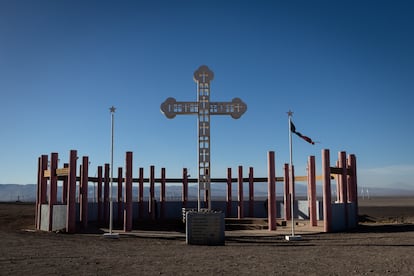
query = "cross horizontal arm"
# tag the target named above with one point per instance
(235, 108)
(170, 108)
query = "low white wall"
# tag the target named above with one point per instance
(58, 217)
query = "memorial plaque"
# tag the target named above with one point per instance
(205, 228)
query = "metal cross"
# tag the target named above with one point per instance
(203, 108)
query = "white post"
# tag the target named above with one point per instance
(110, 234)
(292, 237)
(291, 176)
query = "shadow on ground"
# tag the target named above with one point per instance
(383, 228)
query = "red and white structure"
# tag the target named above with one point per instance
(75, 208)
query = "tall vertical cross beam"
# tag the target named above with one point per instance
(203, 108)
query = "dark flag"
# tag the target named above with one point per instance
(306, 138)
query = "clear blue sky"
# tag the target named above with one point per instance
(346, 69)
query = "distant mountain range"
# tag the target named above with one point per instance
(27, 193)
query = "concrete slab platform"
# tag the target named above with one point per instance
(302, 228)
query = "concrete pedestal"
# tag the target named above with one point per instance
(293, 238)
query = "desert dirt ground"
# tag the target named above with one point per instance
(382, 244)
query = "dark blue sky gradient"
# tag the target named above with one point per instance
(344, 67)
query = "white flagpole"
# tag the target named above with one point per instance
(292, 237)
(110, 234)
(291, 176)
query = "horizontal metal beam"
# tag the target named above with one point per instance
(59, 172)
(194, 180)
(335, 170)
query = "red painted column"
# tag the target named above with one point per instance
(184, 198)
(353, 182)
(151, 201)
(52, 186)
(229, 195)
(162, 194)
(353, 176)
(240, 209)
(343, 177)
(106, 194)
(53, 178)
(312, 191)
(99, 195)
(71, 206)
(339, 195)
(326, 187)
(251, 193)
(349, 185)
(128, 193)
(286, 195)
(79, 187)
(83, 200)
(141, 193)
(42, 187)
(65, 186)
(39, 174)
(120, 198)
(271, 182)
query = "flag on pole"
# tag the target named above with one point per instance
(306, 138)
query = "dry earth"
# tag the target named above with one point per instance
(382, 244)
